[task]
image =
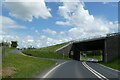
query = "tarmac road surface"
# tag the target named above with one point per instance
(81, 70)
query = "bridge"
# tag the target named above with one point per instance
(109, 45)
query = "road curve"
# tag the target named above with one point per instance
(78, 69)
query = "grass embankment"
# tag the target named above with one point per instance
(19, 66)
(115, 64)
(98, 57)
(47, 52)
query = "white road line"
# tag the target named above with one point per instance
(45, 76)
(95, 72)
(109, 67)
(91, 70)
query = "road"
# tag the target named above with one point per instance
(78, 69)
(16, 51)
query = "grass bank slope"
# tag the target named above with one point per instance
(115, 64)
(19, 66)
(46, 52)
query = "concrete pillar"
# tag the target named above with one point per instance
(111, 48)
(76, 53)
(71, 54)
(104, 52)
(104, 56)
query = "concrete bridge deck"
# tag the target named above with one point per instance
(109, 46)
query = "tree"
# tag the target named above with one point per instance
(14, 44)
(7, 44)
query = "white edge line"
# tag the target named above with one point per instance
(93, 71)
(96, 72)
(109, 67)
(45, 76)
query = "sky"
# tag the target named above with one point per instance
(41, 24)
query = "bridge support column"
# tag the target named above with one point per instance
(76, 54)
(104, 57)
(112, 48)
(71, 54)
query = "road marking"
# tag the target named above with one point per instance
(109, 67)
(95, 72)
(91, 70)
(45, 76)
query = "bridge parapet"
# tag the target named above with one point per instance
(90, 38)
(108, 44)
(113, 34)
(65, 49)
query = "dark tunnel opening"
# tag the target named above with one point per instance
(88, 51)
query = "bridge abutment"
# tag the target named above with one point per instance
(111, 48)
(76, 54)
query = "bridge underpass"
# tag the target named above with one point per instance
(109, 46)
(87, 46)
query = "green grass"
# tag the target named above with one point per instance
(52, 48)
(98, 57)
(0, 50)
(47, 52)
(25, 66)
(115, 64)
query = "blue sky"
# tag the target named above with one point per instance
(55, 24)
(108, 10)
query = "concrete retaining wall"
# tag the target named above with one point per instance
(65, 49)
(112, 48)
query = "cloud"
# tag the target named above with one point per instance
(62, 23)
(26, 10)
(9, 23)
(29, 40)
(105, 2)
(47, 41)
(8, 38)
(49, 31)
(84, 24)
(36, 31)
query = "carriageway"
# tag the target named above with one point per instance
(109, 45)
